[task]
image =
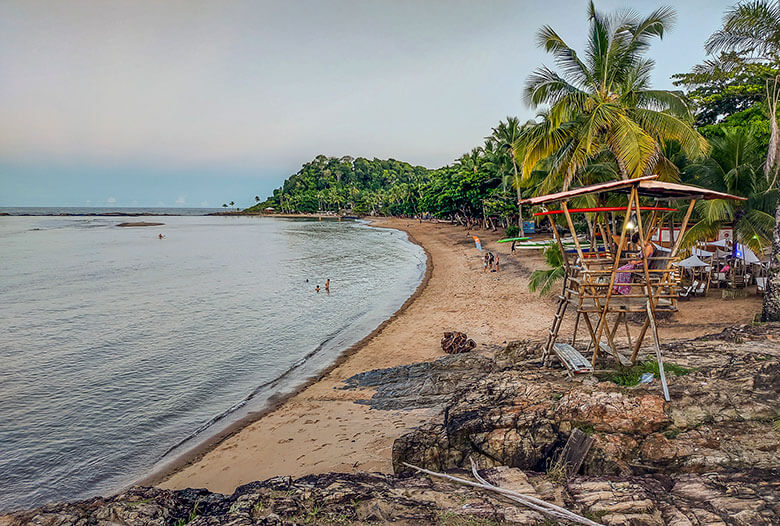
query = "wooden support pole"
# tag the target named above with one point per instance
(615, 266)
(683, 226)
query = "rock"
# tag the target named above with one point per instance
(456, 343)
(420, 385)
(722, 415)
(372, 498)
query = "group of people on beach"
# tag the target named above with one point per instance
(491, 261)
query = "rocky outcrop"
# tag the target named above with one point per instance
(456, 343)
(363, 498)
(722, 416)
(711, 456)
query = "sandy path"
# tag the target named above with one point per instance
(321, 429)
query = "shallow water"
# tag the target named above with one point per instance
(116, 346)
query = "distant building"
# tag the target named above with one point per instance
(269, 209)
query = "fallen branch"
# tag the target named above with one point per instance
(531, 502)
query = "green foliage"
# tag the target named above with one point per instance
(629, 376)
(544, 280)
(724, 86)
(512, 231)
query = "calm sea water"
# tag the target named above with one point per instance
(116, 346)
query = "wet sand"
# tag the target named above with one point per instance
(321, 429)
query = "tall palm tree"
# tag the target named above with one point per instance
(506, 135)
(602, 101)
(754, 28)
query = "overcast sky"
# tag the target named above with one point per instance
(191, 103)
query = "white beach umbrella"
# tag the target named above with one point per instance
(722, 243)
(702, 253)
(691, 262)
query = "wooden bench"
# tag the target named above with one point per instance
(571, 358)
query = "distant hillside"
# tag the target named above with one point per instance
(360, 186)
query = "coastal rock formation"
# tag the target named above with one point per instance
(370, 498)
(711, 456)
(456, 343)
(723, 415)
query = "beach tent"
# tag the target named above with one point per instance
(691, 262)
(722, 243)
(702, 253)
(745, 254)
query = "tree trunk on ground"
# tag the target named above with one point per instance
(771, 310)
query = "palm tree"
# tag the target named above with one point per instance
(734, 167)
(506, 136)
(602, 102)
(257, 199)
(753, 28)
(543, 280)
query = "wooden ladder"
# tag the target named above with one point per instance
(552, 336)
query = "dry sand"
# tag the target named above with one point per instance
(321, 429)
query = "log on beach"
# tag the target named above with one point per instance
(140, 223)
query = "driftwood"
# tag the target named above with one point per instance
(456, 343)
(531, 502)
(577, 446)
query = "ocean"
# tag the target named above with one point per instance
(120, 350)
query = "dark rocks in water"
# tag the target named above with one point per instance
(140, 223)
(372, 498)
(722, 416)
(456, 343)
(420, 385)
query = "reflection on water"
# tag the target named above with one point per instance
(116, 345)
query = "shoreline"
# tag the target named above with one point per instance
(325, 428)
(195, 454)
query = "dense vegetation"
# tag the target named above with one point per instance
(601, 120)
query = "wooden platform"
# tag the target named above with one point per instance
(571, 358)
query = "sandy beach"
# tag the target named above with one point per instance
(321, 429)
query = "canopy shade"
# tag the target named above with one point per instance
(691, 262)
(647, 186)
(745, 254)
(702, 253)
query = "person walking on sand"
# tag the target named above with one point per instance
(485, 263)
(513, 247)
(491, 260)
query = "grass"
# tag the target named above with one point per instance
(193, 515)
(629, 376)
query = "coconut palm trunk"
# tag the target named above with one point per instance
(771, 309)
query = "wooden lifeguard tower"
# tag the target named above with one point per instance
(591, 269)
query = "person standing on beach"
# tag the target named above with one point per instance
(491, 260)
(496, 262)
(513, 247)
(485, 263)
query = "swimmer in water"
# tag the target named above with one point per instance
(317, 288)
(160, 236)
(327, 285)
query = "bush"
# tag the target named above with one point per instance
(512, 231)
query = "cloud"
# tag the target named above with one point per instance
(111, 200)
(181, 200)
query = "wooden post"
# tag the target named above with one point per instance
(618, 252)
(651, 303)
(683, 226)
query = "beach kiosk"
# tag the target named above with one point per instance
(593, 267)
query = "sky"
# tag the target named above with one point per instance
(193, 103)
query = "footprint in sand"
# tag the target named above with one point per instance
(311, 422)
(300, 457)
(285, 440)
